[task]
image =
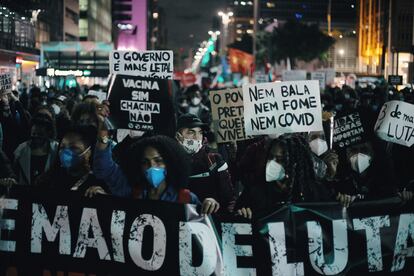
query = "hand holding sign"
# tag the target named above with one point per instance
(151, 64)
(395, 123)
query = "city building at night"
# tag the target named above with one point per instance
(381, 52)
(95, 20)
(18, 53)
(130, 19)
(85, 62)
(272, 13)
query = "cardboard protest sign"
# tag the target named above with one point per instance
(284, 107)
(319, 76)
(5, 83)
(395, 123)
(293, 75)
(348, 130)
(151, 64)
(141, 104)
(101, 95)
(395, 80)
(228, 116)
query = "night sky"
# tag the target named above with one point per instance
(189, 17)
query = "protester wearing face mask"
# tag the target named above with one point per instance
(156, 168)
(279, 171)
(325, 160)
(194, 105)
(360, 176)
(210, 177)
(61, 114)
(35, 156)
(72, 170)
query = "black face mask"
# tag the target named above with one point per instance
(37, 141)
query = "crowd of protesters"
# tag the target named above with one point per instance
(63, 140)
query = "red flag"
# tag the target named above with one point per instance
(240, 62)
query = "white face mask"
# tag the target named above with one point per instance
(56, 108)
(191, 146)
(360, 162)
(196, 101)
(274, 171)
(318, 146)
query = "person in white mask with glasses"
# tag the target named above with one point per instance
(210, 178)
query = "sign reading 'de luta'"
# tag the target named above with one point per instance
(228, 115)
(395, 123)
(284, 107)
(150, 64)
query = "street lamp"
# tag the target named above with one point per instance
(225, 20)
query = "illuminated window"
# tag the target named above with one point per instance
(83, 5)
(83, 27)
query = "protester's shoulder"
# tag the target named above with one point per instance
(20, 148)
(54, 144)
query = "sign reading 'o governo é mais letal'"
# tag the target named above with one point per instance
(150, 64)
(284, 107)
(395, 123)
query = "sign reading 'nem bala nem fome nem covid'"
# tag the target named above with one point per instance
(284, 107)
(150, 64)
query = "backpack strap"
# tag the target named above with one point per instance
(184, 196)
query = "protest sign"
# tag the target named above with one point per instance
(284, 107)
(348, 130)
(228, 115)
(151, 64)
(319, 76)
(260, 77)
(293, 75)
(395, 80)
(101, 95)
(143, 104)
(5, 83)
(64, 232)
(395, 123)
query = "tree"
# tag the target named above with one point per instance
(293, 40)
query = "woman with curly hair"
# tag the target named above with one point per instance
(278, 171)
(156, 168)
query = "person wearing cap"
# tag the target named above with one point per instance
(210, 178)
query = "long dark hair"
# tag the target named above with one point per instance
(298, 166)
(175, 158)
